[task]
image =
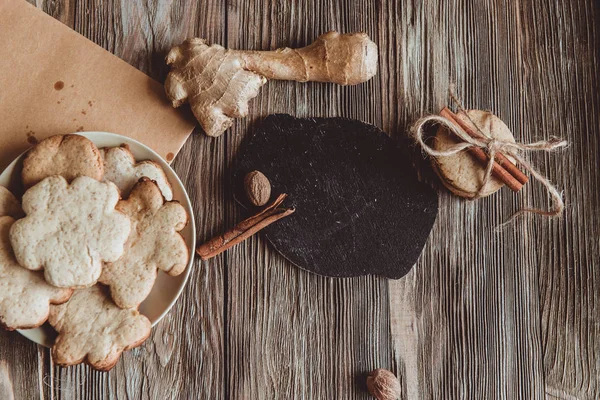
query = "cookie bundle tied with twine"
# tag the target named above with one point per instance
(492, 153)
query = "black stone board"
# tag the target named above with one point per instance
(359, 206)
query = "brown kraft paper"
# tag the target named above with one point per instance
(55, 81)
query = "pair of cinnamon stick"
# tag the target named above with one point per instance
(248, 227)
(503, 168)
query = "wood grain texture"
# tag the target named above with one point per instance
(176, 362)
(486, 313)
(292, 333)
(566, 62)
(178, 359)
(468, 313)
(513, 315)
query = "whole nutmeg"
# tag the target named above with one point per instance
(258, 188)
(384, 385)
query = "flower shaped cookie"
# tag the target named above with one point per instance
(121, 168)
(25, 297)
(70, 230)
(93, 329)
(154, 243)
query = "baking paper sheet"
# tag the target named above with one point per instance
(55, 81)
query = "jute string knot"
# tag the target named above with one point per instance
(492, 146)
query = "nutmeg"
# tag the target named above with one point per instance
(384, 385)
(258, 188)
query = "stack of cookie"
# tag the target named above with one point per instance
(84, 247)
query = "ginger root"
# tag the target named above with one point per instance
(218, 83)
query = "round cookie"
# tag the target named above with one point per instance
(69, 156)
(121, 169)
(25, 297)
(9, 205)
(70, 230)
(461, 173)
(93, 329)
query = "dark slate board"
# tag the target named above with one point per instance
(359, 207)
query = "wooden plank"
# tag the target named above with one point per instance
(561, 80)
(6, 386)
(184, 355)
(465, 321)
(292, 334)
(64, 10)
(23, 365)
(479, 320)
(18, 367)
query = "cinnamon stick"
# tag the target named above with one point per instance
(499, 168)
(245, 229)
(499, 158)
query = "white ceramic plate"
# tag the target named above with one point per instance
(167, 289)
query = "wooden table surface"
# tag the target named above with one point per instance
(508, 314)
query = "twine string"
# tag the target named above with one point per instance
(492, 146)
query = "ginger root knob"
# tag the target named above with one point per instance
(218, 83)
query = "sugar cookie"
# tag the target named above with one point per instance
(121, 168)
(67, 155)
(70, 230)
(25, 297)
(93, 329)
(154, 243)
(461, 173)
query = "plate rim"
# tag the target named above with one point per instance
(188, 205)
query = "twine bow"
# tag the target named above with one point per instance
(492, 146)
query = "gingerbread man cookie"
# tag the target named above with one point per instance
(154, 244)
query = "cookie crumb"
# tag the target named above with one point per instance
(59, 85)
(170, 157)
